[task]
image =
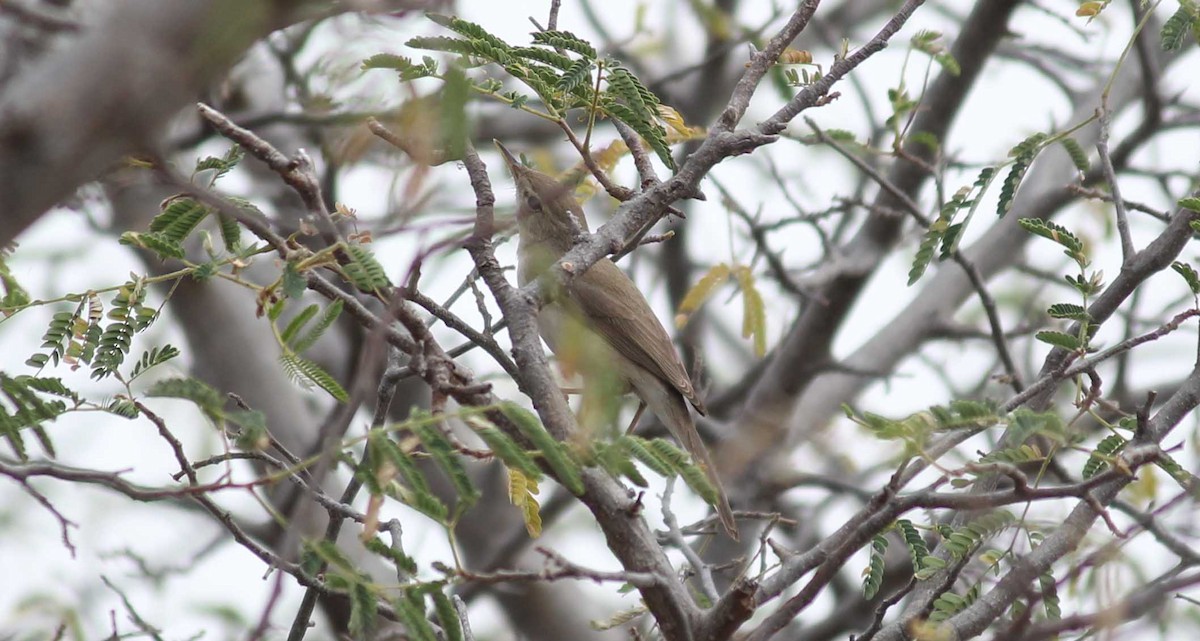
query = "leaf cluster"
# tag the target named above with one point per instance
(562, 70)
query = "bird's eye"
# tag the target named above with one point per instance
(534, 203)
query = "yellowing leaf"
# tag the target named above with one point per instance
(607, 158)
(521, 489)
(792, 56)
(673, 118)
(1089, 9)
(754, 314)
(701, 292)
(1145, 488)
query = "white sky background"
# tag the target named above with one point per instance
(1008, 104)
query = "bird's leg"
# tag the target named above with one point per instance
(636, 416)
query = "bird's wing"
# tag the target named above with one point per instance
(618, 313)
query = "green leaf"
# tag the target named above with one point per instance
(544, 56)
(297, 323)
(1190, 202)
(386, 61)
(364, 607)
(314, 333)
(393, 553)
(917, 550)
(294, 283)
(1050, 600)
(231, 233)
(1068, 311)
(1189, 275)
(1057, 233)
(111, 349)
(1105, 451)
(455, 129)
(222, 165)
(565, 40)
(307, 373)
(1078, 156)
(412, 615)
(579, 74)
(929, 566)
(1175, 29)
(162, 247)
(30, 410)
(698, 481)
(179, 217)
(407, 69)
(1024, 453)
(443, 43)
(364, 271)
(469, 29)
(447, 615)
(1008, 192)
(503, 447)
(152, 358)
(649, 130)
(1059, 339)
(873, 574)
(207, 398)
(925, 252)
(15, 297)
(382, 449)
(1023, 154)
(444, 454)
(616, 458)
(641, 450)
(555, 456)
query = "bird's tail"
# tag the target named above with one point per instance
(679, 420)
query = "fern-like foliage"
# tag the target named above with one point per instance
(127, 316)
(180, 216)
(364, 271)
(15, 296)
(28, 410)
(206, 397)
(443, 453)
(298, 342)
(617, 458)
(153, 357)
(1189, 276)
(384, 461)
(1023, 155)
(873, 574)
(220, 166)
(307, 374)
(559, 68)
(1072, 246)
(1106, 450)
(961, 542)
(1185, 21)
(944, 231)
(947, 604)
(404, 563)
(1078, 155)
(566, 470)
(504, 447)
(916, 429)
(917, 550)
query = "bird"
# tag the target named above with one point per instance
(603, 310)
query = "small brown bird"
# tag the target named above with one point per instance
(605, 306)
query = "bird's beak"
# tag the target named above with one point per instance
(514, 165)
